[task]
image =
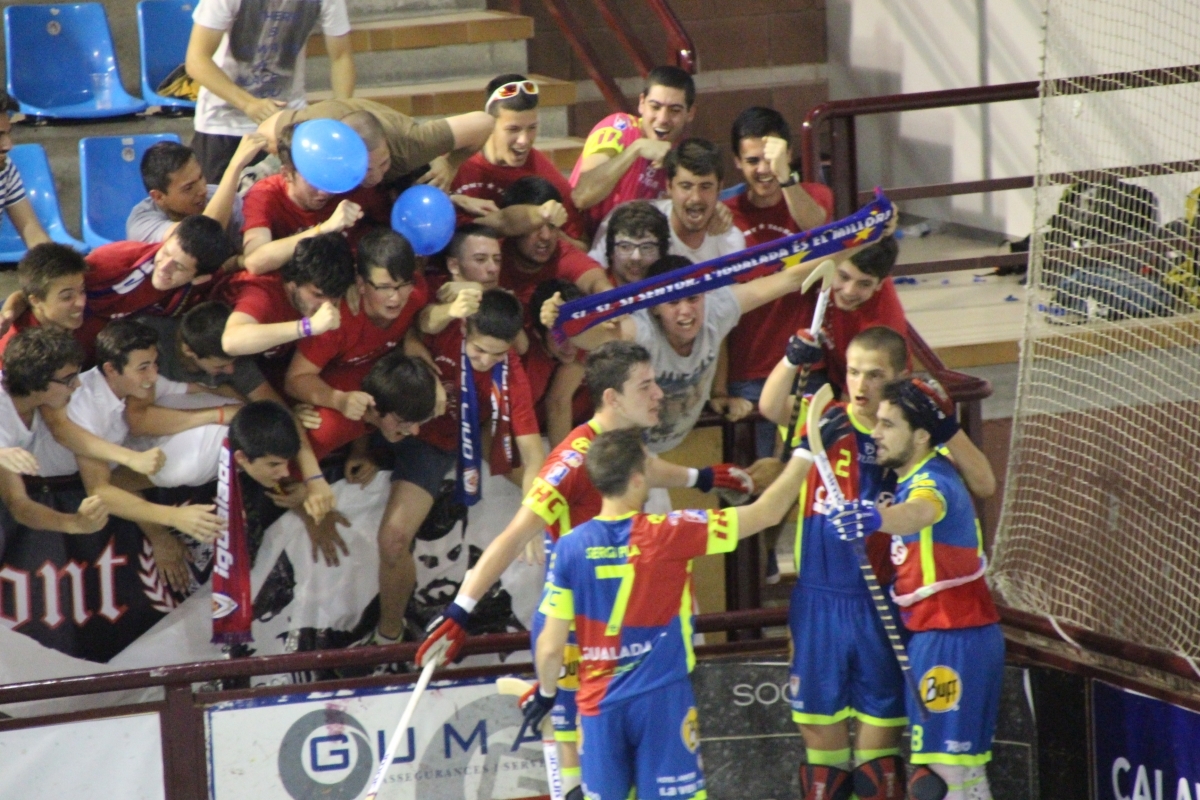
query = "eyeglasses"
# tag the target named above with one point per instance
(68, 381)
(646, 249)
(509, 90)
(389, 291)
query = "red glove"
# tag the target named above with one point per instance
(732, 484)
(447, 633)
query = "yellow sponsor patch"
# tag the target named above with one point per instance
(581, 445)
(941, 689)
(690, 730)
(568, 677)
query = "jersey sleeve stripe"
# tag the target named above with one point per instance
(685, 620)
(722, 531)
(558, 603)
(928, 561)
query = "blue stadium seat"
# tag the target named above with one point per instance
(111, 182)
(39, 188)
(60, 63)
(163, 30)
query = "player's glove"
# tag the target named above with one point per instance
(535, 706)
(803, 350)
(941, 408)
(447, 633)
(732, 484)
(855, 519)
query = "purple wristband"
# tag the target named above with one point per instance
(305, 327)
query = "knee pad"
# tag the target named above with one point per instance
(575, 794)
(880, 779)
(925, 784)
(818, 782)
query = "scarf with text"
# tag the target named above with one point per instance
(503, 455)
(862, 227)
(232, 606)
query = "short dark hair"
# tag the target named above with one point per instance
(161, 161)
(672, 78)
(324, 261)
(698, 156)
(464, 232)
(638, 218)
(915, 404)
(283, 146)
(609, 366)
(204, 239)
(45, 263)
(518, 102)
(368, 127)
(7, 104)
(264, 428)
(613, 458)
(667, 263)
(383, 247)
(34, 355)
(120, 338)
(878, 259)
(543, 292)
(402, 385)
(532, 190)
(887, 341)
(757, 122)
(500, 316)
(203, 326)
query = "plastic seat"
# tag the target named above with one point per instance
(39, 189)
(60, 63)
(163, 30)
(110, 180)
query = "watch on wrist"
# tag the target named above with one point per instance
(792, 180)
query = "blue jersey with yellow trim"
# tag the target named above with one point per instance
(627, 585)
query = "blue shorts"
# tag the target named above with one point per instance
(651, 742)
(565, 711)
(960, 674)
(421, 464)
(842, 664)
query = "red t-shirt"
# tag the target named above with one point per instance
(478, 177)
(27, 320)
(761, 336)
(568, 264)
(540, 367)
(118, 285)
(642, 181)
(346, 354)
(842, 326)
(442, 432)
(267, 205)
(264, 298)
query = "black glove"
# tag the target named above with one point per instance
(834, 425)
(803, 350)
(535, 706)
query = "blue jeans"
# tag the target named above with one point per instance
(765, 433)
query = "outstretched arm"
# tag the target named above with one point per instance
(773, 504)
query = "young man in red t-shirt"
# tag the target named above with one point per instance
(328, 370)
(555, 371)
(509, 154)
(622, 157)
(52, 285)
(421, 462)
(272, 312)
(284, 209)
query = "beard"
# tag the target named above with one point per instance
(898, 460)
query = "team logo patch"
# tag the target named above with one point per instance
(690, 730)
(899, 550)
(470, 479)
(571, 459)
(674, 517)
(581, 444)
(555, 476)
(620, 123)
(568, 676)
(222, 605)
(695, 516)
(941, 689)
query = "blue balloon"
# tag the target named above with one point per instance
(425, 216)
(329, 155)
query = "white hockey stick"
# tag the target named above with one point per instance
(517, 687)
(401, 730)
(824, 273)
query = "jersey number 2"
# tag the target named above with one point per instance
(625, 573)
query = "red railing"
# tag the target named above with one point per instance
(680, 50)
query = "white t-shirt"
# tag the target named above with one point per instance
(262, 52)
(686, 381)
(732, 241)
(53, 458)
(95, 408)
(148, 223)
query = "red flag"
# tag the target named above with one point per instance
(232, 607)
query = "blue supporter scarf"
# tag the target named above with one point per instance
(470, 457)
(862, 227)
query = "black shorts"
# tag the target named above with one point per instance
(214, 151)
(422, 464)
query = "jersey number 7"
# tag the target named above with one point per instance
(625, 573)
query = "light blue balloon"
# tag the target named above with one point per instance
(425, 216)
(329, 155)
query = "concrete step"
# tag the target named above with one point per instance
(458, 96)
(363, 9)
(431, 30)
(563, 150)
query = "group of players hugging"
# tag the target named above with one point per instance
(133, 366)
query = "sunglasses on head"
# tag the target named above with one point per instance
(509, 90)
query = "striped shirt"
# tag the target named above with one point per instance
(12, 190)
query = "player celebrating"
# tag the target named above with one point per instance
(616, 578)
(621, 378)
(957, 648)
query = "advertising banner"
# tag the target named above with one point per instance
(1144, 749)
(462, 745)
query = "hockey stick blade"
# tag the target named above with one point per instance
(385, 763)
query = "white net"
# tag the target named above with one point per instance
(1101, 520)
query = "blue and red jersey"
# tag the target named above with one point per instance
(627, 585)
(822, 560)
(939, 570)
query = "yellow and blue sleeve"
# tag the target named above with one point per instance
(558, 603)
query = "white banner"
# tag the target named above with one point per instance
(95, 759)
(461, 746)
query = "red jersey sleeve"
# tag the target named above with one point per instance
(573, 263)
(254, 298)
(686, 534)
(110, 263)
(524, 420)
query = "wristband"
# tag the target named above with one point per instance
(457, 613)
(704, 479)
(693, 476)
(305, 327)
(466, 603)
(314, 477)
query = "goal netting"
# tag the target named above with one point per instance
(1101, 519)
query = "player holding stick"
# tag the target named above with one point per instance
(624, 580)
(957, 648)
(620, 376)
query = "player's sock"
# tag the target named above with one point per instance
(975, 784)
(572, 777)
(925, 784)
(880, 777)
(822, 782)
